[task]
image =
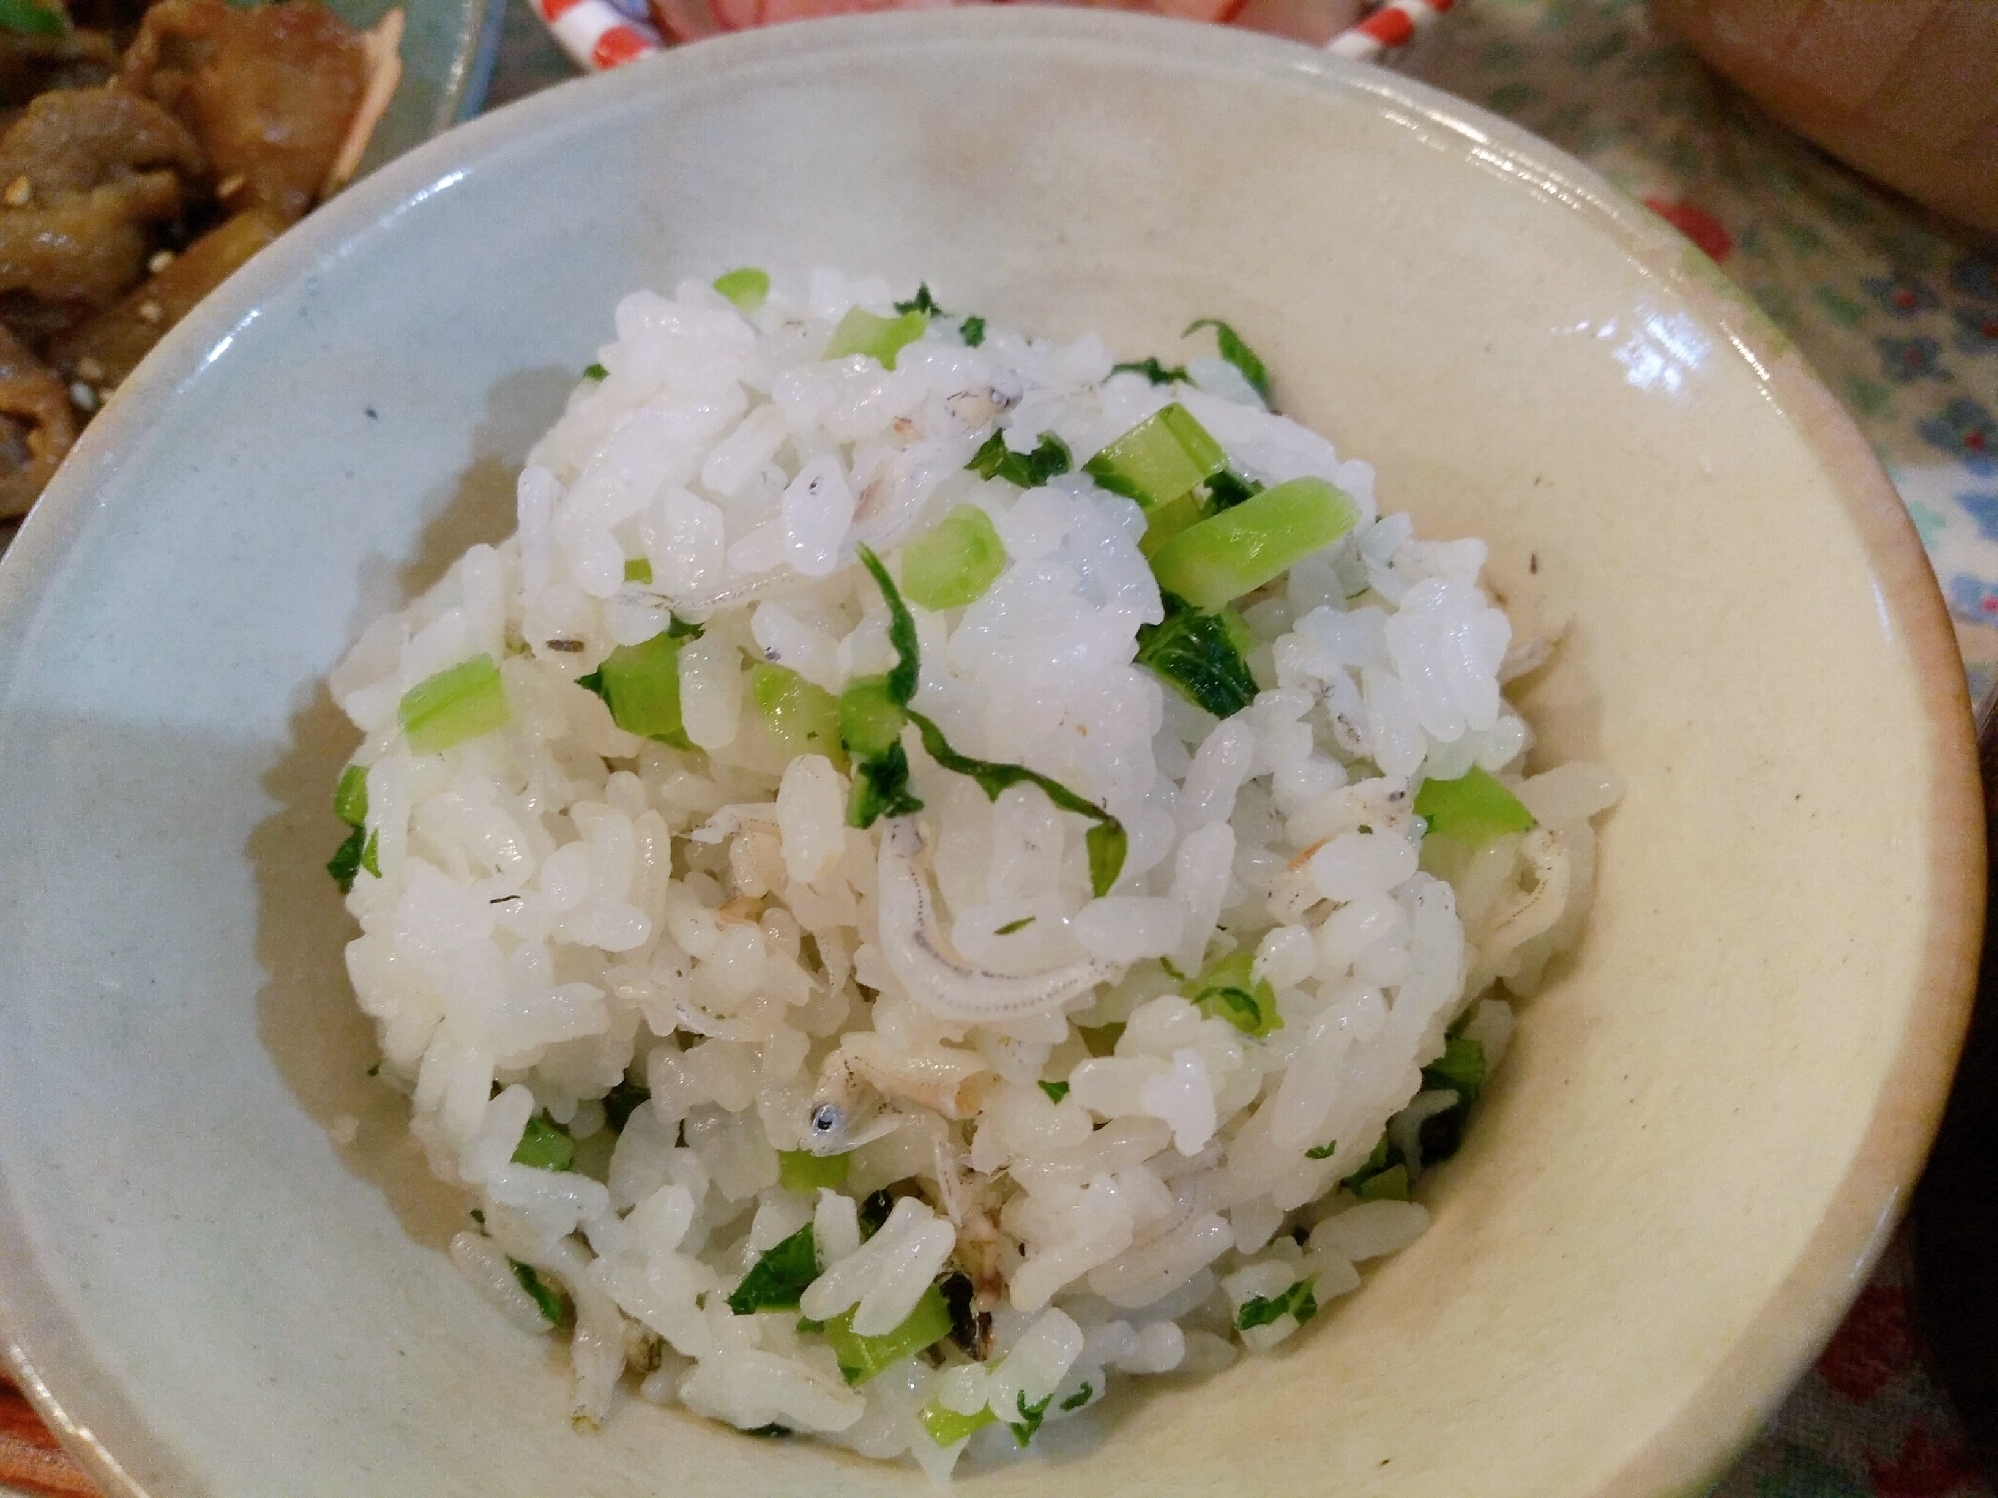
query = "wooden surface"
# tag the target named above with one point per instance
(30, 1461)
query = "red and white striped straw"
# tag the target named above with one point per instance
(1391, 27)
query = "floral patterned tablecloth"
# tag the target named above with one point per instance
(1899, 313)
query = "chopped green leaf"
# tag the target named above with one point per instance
(1461, 1069)
(902, 677)
(545, 1145)
(804, 1172)
(1381, 1159)
(1108, 844)
(1152, 370)
(972, 330)
(1165, 521)
(1321, 1151)
(870, 719)
(746, 287)
(1080, 1397)
(1474, 809)
(860, 1358)
(370, 851)
(874, 1211)
(1106, 841)
(954, 563)
(624, 1100)
(881, 789)
(595, 372)
(995, 460)
(544, 1295)
(809, 1327)
(922, 302)
(1228, 488)
(638, 570)
(1162, 457)
(776, 1280)
(1391, 1185)
(1101, 1040)
(947, 1427)
(802, 717)
(477, 1216)
(29, 19)
(350, 800)
(641, 686)
(1055, 1090)
(1238, 550)
(375, 1070)
(771, 1432)
(1011, 926)
(1236, 353)
(1228, 990)
(1200, 656)
(458, 703)
(1297, 1301)
(1031, 1416)
(346, 862)
(881, 338)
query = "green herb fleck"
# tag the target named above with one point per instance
(860, 1358)
(1080, 1397)
(1151, 369)
(640, 684)
(955, 562)
(350, 801)
(1107, 841)
(544, 1295)
(638, 570)
(1474, 809)
(1237, 353)
(922, 302)
(345, 864)
(1321, 1151)
(1228, 989)
(375, 1070)
(802, 717)
(771, 1432)
(972, 330)
(1200, 656)
(881, 338)
(1031, 1416)
(1055, 1090)
(1391, 1185)
(947, 1427)
(804, 1172)
(458, 703)
(545, 1145)
(1228, 488)
(881, 789)
(776, 1280)
(1297, 1301)
(747, 287)
(902, 676)
(1011, 926)
(995, 460)
(595, 372)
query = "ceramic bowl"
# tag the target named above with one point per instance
(1708, 1123)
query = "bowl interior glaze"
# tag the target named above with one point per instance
(1707, 1122)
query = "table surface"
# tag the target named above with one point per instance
(1899, 313)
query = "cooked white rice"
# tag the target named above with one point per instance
(564, 908)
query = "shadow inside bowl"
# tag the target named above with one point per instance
(307, 1019)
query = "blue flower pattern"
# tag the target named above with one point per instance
(1906, 360)
(1983, 508)
(1899, 297)
(1966, 431)
(1977, 331)
(1973, 600)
